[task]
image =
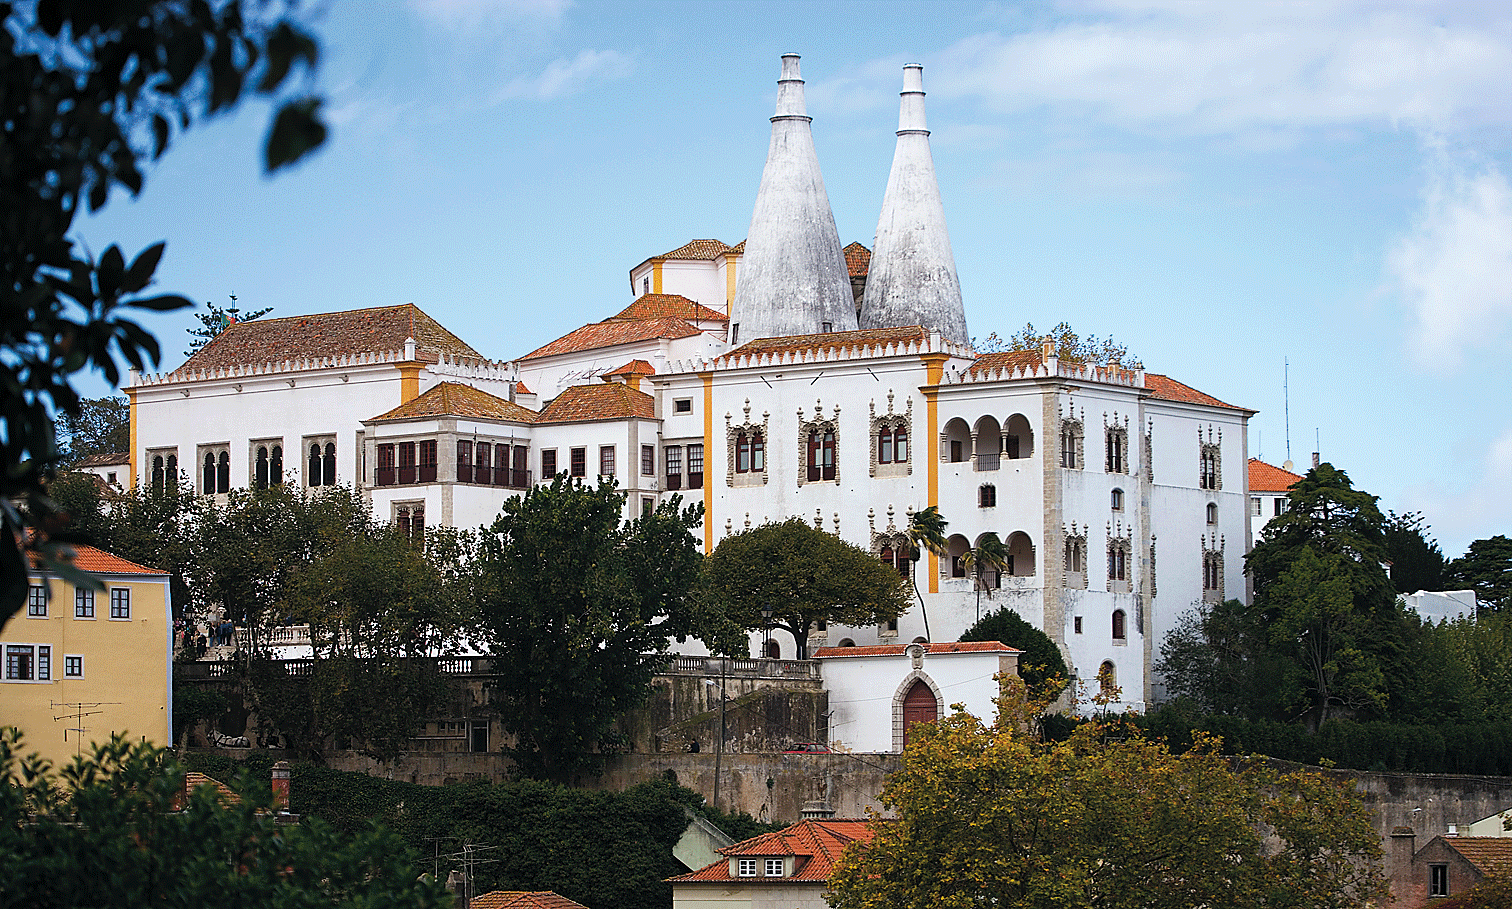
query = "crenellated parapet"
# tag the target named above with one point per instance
(1052, 368)
(446, 365)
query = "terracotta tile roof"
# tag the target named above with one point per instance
(453, 399)
(857, 259)
(696, 249)
(1008, 359)
(98, 561)
(1168, 389)
(601, 402)
(1265, 477)
(193, 780)
(355, 331)
(524, 899)
(739, 248)
(520, 389)
(899, 649)
(816, 845)
(611, 333)
(108, 459)
(634, 368)
(1492, 855)
(667, 306)
(834, 340)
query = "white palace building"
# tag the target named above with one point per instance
(782, 376)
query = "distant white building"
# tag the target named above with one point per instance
(1443, 605)
(1122, 496)
(1269, 487)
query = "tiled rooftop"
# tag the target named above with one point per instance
(697, 249)
(107, 459)
(1491, 854)
(612, 333)
(357, 331)
(524, 899)
(857, 259)
(1265, 477)
(98, 561)
(816, 845)
(1008, 359)
(900, 649)
(634, 368)
(453, 399)
(834, 340)
(1168, 389)
(599, 402)
(667, 306)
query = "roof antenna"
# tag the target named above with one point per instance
(1286, 397)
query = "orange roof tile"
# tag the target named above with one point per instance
(834, 340)
(520, 389)
(857, 259)
(667, 306)
(816, 845)
(900, 649)
(1491, 854)
(1265, 477)
(1168, 389)
(107, 459)
(634, 368)
(739, 248)
(612, 334)
(696, 249)
(601, 402)
(98, 561)
(1008, 359)
(453, 399)
(355, 331)
(524, 899)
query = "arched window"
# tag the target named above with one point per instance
(846, 642)
(821, 454)
(275, 466)
(157, 474)
(223, 472)
(919, 706)
(260, 477)
(207, 475)
(742, 453)
(1120, 626)
(773, 650)
(1116, 499)
(1071, 444)
(1212, 513)
(889, 558)
(322, 465)
(758, 452)
(885, 445)
(900, 444)
(1209, 474)
(1107, 679)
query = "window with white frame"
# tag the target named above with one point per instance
(36, 601)
(120, 603)
(73, 666)
(648, 460)
(28, 663)
(1255, 506)
(672, 458)
(606, 460)
(746, 867)
(775, 867)
(84, 603)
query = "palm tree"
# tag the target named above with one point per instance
(989, 555)
(926, 531)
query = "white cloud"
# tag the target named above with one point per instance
(1231, 68)
(563, 76)
(475, 15)
(1454, 269)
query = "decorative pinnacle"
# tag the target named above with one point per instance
(911, 110)
(790, 91)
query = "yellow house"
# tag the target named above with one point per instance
(82, 664)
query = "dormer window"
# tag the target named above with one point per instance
(746, 867)
(774, 867)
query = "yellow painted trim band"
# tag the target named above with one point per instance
(409, 380)
(656, 277)
(934, 370)
(131, 419)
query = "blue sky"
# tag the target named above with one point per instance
(1222, 187)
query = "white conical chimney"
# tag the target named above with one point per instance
(792, 279)
(912, 279)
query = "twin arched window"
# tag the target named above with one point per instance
(892, 445)
(821, 454)
(750, 452)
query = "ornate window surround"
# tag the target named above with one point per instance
(901, 692)
(1072, 441)
(1120, 546)
(1076, 545)
(733, 431)
(1116, 434)
(818, 423)
(1212, 569)
(1210, 459)
(890, 420)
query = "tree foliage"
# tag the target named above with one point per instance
(1417, 563)
(1041, 665)
(1486, 568)
(1330, 611)
(216, 319)
(101, 426)
(113, 829)
(578, 607)
(1065, 343)
(89, 94)
(804, 576)
(993, 816)
(1217, 657)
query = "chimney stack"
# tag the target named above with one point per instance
(281, 786)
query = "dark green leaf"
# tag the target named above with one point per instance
(297, 130)
(140, 273)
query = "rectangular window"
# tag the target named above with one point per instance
(648, 504)
(83, 603)
(385, 472)
(548, 463)
(1076, 625)
(673, 456)
(483, 453)
(606, 460)
(1255, 506)
(1282, 506)
(520, 469)
(464, 461)
(774, 865)
(120, 603)
(427, 467)
(648, 460)
(20, 663)
(406, 472)
(1438, 880)
(580, 462)
(747, 867)
(36, 602)
(73, 666)
(682, 405)
(957, 455)
(695, 467)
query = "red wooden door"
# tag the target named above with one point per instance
(919, 706)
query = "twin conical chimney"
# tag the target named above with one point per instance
(793, 279)
(912, 279)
